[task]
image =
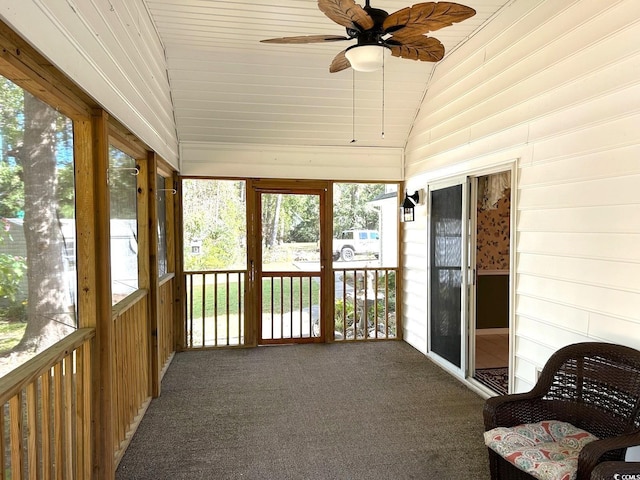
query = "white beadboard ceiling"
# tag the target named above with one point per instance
(227, 87)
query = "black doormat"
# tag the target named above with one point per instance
(494, 378)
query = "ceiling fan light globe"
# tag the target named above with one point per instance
(366, 58)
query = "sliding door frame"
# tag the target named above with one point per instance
(468, 293)
(464, 181)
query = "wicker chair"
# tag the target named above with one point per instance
(616, 471)
(594, 386)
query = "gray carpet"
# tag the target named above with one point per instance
(339, 411)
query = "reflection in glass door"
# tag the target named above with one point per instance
(446, 282)
(289, 277)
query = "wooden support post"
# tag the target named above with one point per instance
(154, 279)
(326, 258)
(180, 293)
(252, 305)
(86, 291)
(104, 448)
(173, 263)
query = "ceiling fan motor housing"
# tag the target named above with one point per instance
(372, 36)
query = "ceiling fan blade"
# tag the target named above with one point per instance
(418, 47)
(426, 17)
(339, 63)
(346, 13)
(306, 39)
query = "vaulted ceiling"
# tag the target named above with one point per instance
(228, 87)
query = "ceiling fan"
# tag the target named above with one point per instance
(401, 33)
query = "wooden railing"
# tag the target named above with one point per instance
(364, 309)
(290, 306)
(365, 306)
(131, 366)
(45, 423)
(214, 309)
(166, 324)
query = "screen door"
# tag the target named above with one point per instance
(446, 285)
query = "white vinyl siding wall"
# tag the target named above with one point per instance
(112, 51)
(554, 86)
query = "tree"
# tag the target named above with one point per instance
(11, 192)
(306, 227)
(35, 145)
(122, 185)
(214, 218)
(272, 224)
(351, 210)
(11, 133)
(49, 313)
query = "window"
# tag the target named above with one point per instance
(161, 210)
(215, 246)
(37, 212)
(365, 224)
(124, 224)
(214, 219)
(196, 247)
(365, 260)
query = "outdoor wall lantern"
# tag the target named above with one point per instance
(407, 213)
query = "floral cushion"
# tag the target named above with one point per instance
(546, 450)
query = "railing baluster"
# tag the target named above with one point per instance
(68, 416)
(124, 325)
(283, 280)
(301, 303)
(225, 335)
(356, 316)
(240, 327)
(32, 431)
(85, 466)
(344, 305)
(375, 303)
(2, 444)
(310, 303)
(228, 308)
(284, 329)
(291, 303)
(386, 303)
(272, 309)
(15, 428)
(57, 419)
(215, 310)
(189, 332)
(366, 304)
(204, 306)
(281, 306)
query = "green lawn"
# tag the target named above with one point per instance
(10, 334)
(282, 297)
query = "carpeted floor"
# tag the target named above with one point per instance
(337, 411)
(494, 378)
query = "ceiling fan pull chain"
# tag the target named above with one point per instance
(353, 106)
(383, 97)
